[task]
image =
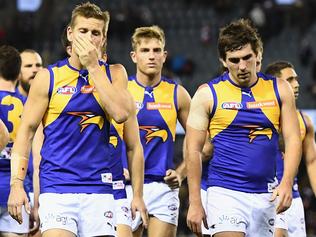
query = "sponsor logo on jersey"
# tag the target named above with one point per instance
(232, 105)
(154, 132)
(67, 90)
(87, 119)
(87, 89)
(156, 106)
(261, 104)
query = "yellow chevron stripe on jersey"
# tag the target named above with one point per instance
(165, 101)
(265, 89)
(137, 93)
(58, 103)
(302, 125)
(223, 117)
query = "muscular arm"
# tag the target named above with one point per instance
(36, 151)
(184, 101)
(197, 126)
(135, 156)
(114, 96)
(33, 113)
(309, 151)
(292, 143)
(174, 178)
(290, 132)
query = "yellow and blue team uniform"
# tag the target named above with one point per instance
(10, 112)
(157, 109)
(75, 170)
(244, 129)
(157, 117)
(75, 153)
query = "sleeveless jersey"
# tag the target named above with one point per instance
(244, 128)
(75, 153)
(280, 161)
(11, 107)
(157, 118)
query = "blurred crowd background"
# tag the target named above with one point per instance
(287, 27)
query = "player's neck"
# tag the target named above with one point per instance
(75, 62)
(21, 90)
(148, 80)
(7, 85)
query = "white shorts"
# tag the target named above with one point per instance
(80, 213)
(161, 202)
(8, 224)
(204, 203)
(123, 215)
(293, 219)
(250, 213)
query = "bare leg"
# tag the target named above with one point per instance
(158, 228)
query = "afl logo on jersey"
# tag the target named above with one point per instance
(139, 105)
(67, 90)
(232, 105)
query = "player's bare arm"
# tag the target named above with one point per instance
(174, 178)
(36, 152)
(309, 151)
(38, 101)
(293, 145)
(135, 156)
(197, 126)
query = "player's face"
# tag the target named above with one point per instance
(149, 56)
(89, 28)
(241, 65)
(31, 64)
(290, 75)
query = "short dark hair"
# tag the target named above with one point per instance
(10, 63)
(275, 68)
(237, 34)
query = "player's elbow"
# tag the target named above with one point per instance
(121, 116)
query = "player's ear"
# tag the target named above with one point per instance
(223, 62)
(133, 56)
(69, 34)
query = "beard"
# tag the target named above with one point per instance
(25, 85)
